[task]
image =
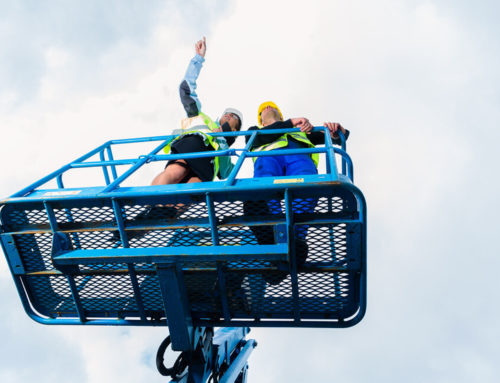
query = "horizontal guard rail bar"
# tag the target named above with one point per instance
(82, 227)
(277, 252)
(218, 134)
(211, 153)
(200, 270)
(189, 189)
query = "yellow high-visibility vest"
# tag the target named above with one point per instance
(282, 142)
(202, 125)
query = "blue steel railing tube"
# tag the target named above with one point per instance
(140, 162)
(331, 163)
(347, 165)
(232, 176)
(56, 174)
(343, 146)
(104, 167)
(111, 158)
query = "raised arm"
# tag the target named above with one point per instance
(187, 89)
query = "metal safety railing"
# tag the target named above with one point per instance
(104, 255)
(113, 180)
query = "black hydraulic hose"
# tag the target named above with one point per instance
(159, 359)
(179, 366)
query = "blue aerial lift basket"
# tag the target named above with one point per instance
(76, 257)
(92, 256)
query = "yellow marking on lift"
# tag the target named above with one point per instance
(61, 193)
(289, 181)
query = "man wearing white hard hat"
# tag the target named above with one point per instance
(194, 135)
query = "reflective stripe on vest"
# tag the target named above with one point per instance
(202, 125)
(282, 142)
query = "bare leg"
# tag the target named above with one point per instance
(193, 179)
(172, 174)
(181, 208)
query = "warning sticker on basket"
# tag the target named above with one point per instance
(289, 181)
(61, 193)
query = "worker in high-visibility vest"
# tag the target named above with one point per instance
(193, 135)
(270, 117)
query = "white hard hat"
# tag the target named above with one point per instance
(234, 111)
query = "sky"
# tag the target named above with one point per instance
(416, 83)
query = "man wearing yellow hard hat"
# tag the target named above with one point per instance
(269, 116)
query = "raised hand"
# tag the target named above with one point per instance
(201, 47)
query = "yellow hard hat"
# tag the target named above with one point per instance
(265, 105)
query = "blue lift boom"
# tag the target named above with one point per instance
(102, 255)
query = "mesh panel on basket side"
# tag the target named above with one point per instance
(253, 289)
(106, 292)
(93, 240)
(303, 205)
(130, 213)
(174, 237)
(150, 292)
(329, 204)
(244, 235)
(249, 295)
(202, 291)
(35, 251)
(327, 244)
(144, 266)
(236, 236)
(228, 209)
(85, 214)
(278, 298)
(185, 211)
(249, 264)
(194, 210)
(103, 266)
(52, 294)
(324, 292)
(27, 217)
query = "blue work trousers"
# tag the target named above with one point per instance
(288, 165)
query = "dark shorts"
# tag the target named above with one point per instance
(199, 167)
